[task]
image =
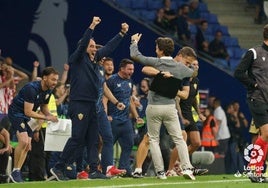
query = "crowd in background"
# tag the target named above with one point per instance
(228, 126)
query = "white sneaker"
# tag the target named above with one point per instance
(188, 174)
(171, 173)
(161, 175)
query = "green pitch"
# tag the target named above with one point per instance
(206, 181)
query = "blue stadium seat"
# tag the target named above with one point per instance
(193, 29)
(212, 19)
(148, 15)
(222, 63)
(139, 4)
(209, 37)
(230, 41)
(154, 4)
(233, 63)
(203, 7)
(204, 15)
(223, 29)
(210, 30)
(124, 3)
(239, 52)
(230, 51)
(174, 5)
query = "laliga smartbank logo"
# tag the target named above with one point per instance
(252, 154)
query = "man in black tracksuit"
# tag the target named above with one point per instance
(253, 73)
(86, 83)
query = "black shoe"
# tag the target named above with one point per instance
(199, 171)
(16, 176)
(58, 174)
(257, 179)
(3, 178)
(97, 175)
(137, 175)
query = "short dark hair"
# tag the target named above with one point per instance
(125, 62)
(265, 32)
(187, 51)
(108, 59)
(165, 44)
(48, 71)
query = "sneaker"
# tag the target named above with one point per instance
(161, 175)
(58, 174)
(97, 175)
(137, 174)
(188, 174)
(15, 176)
(177, 168)
(3, 178)
(82, 175)
(113, 171)
(171, 173)
(199, 171)
(256, 179)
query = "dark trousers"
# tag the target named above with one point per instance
(123, 133)
(85, 131)
(3, 162)
(107, 139)
(37, 161)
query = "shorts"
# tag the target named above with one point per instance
(21, 125)
(259, 112)
(191, 127)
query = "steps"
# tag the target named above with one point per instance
(238, 16)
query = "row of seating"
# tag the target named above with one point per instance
(146, 10)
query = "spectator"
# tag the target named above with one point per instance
(5, 151)
(234, 158)
(162, 22)
(209, 131)
(183, 32)
(202, 44)
(194, 13)
(223, 135)
(170, 15)
(217, 48)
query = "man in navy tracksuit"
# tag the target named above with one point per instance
(121, 85)
(86, 81)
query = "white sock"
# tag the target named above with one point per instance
(139, 170)
(14, 169)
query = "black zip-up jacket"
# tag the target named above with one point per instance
(253, 72)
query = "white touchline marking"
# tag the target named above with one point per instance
(170, 183)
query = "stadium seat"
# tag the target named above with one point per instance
(148, 15)
(124, 3)
(193, 29)
(222, 63)
(209, 37)
(230, 41)
(174, 5)
(154, 4)
(223, 29)
(203, 7)
(239, 52)
(234, 63)
(139, 4)
(212, 19)
(204, 15)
